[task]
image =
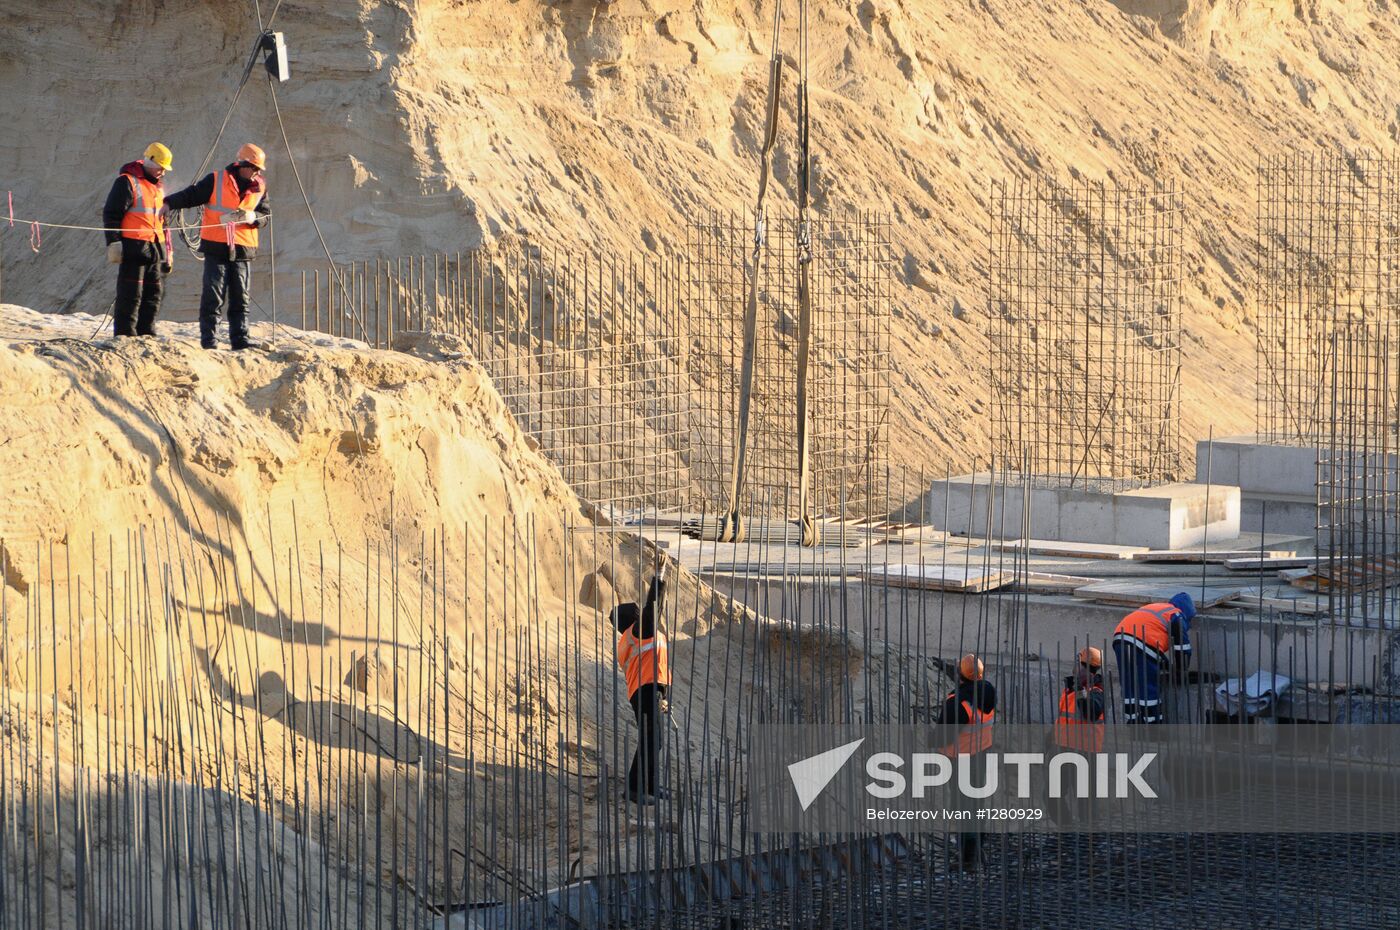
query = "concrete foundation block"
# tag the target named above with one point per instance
(1258, 468)
(1171, 516)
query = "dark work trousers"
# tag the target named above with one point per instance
(646, 707)
(1139, 679)
(224, 283)
(970, 841)
(139, 285)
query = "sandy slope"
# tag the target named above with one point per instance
(435, 124)
(329, 584)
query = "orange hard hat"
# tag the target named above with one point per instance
(970, 667)
(1091, 656)
(250, 154)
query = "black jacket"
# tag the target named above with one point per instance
(625, 615)
(198, 194)
(119, 200)
(980, 694)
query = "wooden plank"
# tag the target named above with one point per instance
(1052, 583)
(1211, 556)
(1070, 550)
(1254, 563)
(1281, 598)
(1146, 591)
(965, 579)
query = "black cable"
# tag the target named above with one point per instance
(296, 173)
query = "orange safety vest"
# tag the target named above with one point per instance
(142, 218)
(1148, 628)
(644, 661)
(974, 736)
(225, 199)
(1074, 732)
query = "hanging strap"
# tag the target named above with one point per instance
(731, 526)
(804, 292)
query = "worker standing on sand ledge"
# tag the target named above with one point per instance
(1150, 642)
(235, 206)
(643, 653)
(138, 241)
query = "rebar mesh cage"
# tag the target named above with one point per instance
(585, 350)
(1328, 358)
(1327, 249)
(1085, 332)
(849, 370)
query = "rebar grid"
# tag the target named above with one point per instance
(1328, 358)
(850, 368)
(586, 351)
(202, 732)
(1085, 332)
(1328, 243)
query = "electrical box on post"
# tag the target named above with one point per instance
(276, 47)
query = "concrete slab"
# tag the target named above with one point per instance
(1173, 516)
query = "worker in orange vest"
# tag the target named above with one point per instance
(1079, 727)
(971, 706)
(1151, 642)
(643, 654)
(138, 242)
(1081, 715)
(234, 206)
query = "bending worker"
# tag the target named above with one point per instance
(972, 707)
(138, 242)
(235, 207)
(1150, 642)
(642, 651)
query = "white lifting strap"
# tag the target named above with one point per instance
(804, 291)
(731, 526)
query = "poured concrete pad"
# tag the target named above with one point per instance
(1172, 516)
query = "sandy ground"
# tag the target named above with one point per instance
(436, 124)
(335, 588)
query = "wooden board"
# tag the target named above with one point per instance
(1280, 598)
(1254, 563)
(964, 579)
(1137, 593)
(1197, 556)
(1070, 550)
(1051, 583)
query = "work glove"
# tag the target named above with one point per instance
(164, 212)
(114, 253)
(244, 217)
(167, 266)
(665, 706)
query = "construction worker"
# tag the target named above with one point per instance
(138, 242)
(235, 206)
(969, 710)
(1081, 715)
(643, 654)
(1150, 642)
(1079, 727)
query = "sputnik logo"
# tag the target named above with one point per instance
(811, 775)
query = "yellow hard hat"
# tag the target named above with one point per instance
(160, 155)
(1091, 656)
(970, 667)
(250, 154)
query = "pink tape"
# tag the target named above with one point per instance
(228, 231)
(11, 196)
(36, 238)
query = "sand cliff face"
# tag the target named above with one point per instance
(436, 124)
